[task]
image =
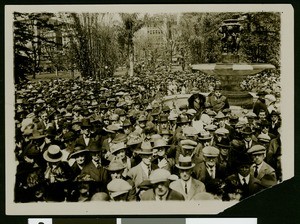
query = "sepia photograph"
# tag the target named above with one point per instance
(146, 109)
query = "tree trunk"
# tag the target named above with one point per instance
(56, 71)
(131, 58)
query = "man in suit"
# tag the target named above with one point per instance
(142, 171)
(187, 185)
(160, 180)
(95, 169)
(240, 185)
(209, 171)
(161, 160)
(85, 139)
(263, 173)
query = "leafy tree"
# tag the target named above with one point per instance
(30, 34)
(130, 25)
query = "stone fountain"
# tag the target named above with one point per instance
(230, 71)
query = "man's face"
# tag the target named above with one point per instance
(85, 131)
(247, 137)
(185, 174)
(80, 159)
(217, 93)
(96, 156)
(258, 158)
(244, 170)
(142, 124)
(224, 151)
(116, 174)
(163, 125)
(161, 152)
(44, 116)
(210, 161)
(262, 115)
(161, 188)
(146, 159)
(121, 154)
(274, 118)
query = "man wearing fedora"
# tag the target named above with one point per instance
(57, 174)
(161, 191)
(95, 168)
(85, 139)
(248, 140)
(142, 171)
(241, 181)
(115, 171)
(263, 173)
(118, 152)
(187, 185)
(161, 160)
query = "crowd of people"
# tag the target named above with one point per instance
(117, 140)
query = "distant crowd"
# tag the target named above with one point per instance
(116, 139)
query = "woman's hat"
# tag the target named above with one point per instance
(117, 147)
(53, 154)
(77, 151)
(36, 134)
(146, 149)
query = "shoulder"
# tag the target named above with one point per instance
(175, 195)
(197, 182)
(148, 195)
(267, 167)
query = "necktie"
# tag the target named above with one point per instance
(212, 173)
(149, 170)
(255, 171)
(160, 198)
(185, 188)
(244, 181)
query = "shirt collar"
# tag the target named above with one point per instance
(163, 198)
(247, 178)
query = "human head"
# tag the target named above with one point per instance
(210, 155)
(258, 153)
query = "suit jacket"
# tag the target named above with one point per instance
(93, 140)
(246, 190)
(201, 173)
(137, 174)
(173, 195)
(98, 174)
(266, 177)
(212, 185)
(196, 187)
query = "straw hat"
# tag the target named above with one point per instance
(53, 154)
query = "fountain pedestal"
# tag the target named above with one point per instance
(231, 75)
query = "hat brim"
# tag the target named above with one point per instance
(37, 137)
(209, 155)
(205, 138)
(48, 159)
(161, 146)
(118, 150)
(116, 169)
(185, 167)
(158, 181)
(77, 153)
(144, 153)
